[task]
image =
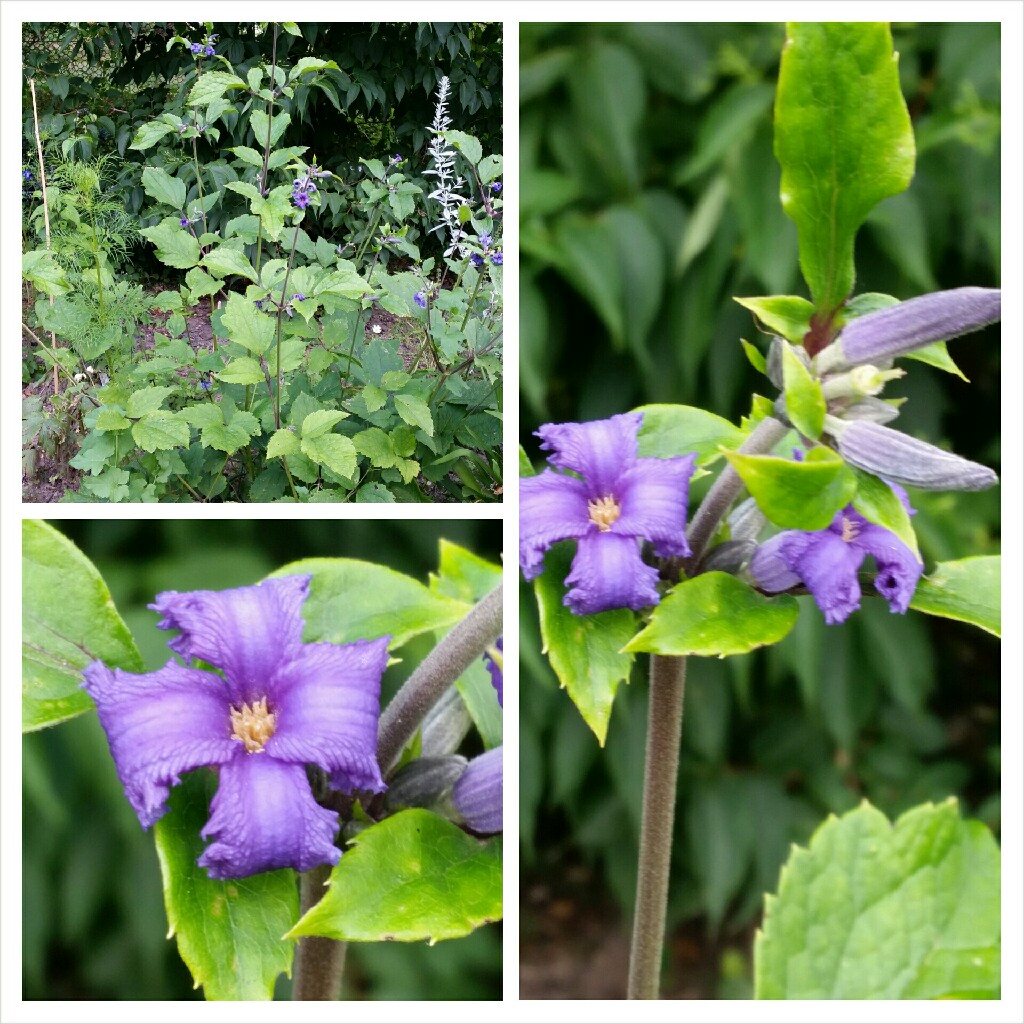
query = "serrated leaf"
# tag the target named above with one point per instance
(669, 430)
(283, 442)
(174, 245)
(374, 397)
(68, 621)
(246, 153)
(967, 590)
(147, 400)
(210, 86)
(394, 379)
(390, 603)
(334, 451)
(415, 412)
(200, 283)
(466, 144)
(715, 615)
(161, 430)
(260, 124)
(462, 574)
(224, 260)
(585, 651)
(242, 371)
(872, 910)
(159, 185)
(319, 422)
(150, 134)
(42, 270)
(246, 325)
(229, 933)
(226, 437)
(377, 446)
(805, 404)
(112, 419)
(429, 880)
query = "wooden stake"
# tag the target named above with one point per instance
(46, 211)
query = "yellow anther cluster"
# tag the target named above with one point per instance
(253, 726)
(603, 512)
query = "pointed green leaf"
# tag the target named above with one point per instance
(200, 284)
(429, 880)
(937, 354)
(42, 270)
(161, 430)
(112, 419)
(715, 615)
(242, 371)
(669, 430)
(229, 933)
(463, 575)
(211, 85)
(844, 140)
(319, 422)
(585, 651)
(147, 400)
(227, 437)
(159, 185)
(150, 134)
(68, 621)
(415, 412)
(967, 590)
(377, 446)
(787, 315)
(260, 124)
(174, 245)
(805, 404)
(224, 260)
(247, 325)
(283, 442)
(873, 910)
(334, 451)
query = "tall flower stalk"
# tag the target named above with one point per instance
(448, 182)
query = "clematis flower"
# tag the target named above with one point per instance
(617, 501)
(279, 705)
(420, 298)
(827, 561)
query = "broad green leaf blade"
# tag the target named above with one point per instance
(335, 452)
(211, 85)
(966, 590)
(352, 600)
(805, 404)
(174, 245)
(224, 260)
(243, 371)
(42, 270)
(146, 400)
(844, 140)
(585, 651)
(68, 621)
(715, 615)
(787, 315)
(797, 495)
(320, 422)
(160, 186)
(669, 430)
(415, 412)
(463, 575)
(160, 431)
(229, 933)
(872, 910)
(246, 325)
(150, 134)
(412, 877)
(876, 501)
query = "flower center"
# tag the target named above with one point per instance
(253, 726)
(850, 530)
(604, 512)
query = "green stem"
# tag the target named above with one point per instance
(287, 473)
(195, 494)
(358, 323)
(319, 962)
(369, 235)
(472, 298)
(280, 317)
(266, 147)
(96, 258)
(661, 769)
(209, 493)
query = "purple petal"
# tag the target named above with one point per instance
(263, 816)
(477, 794)
(159, 725)
(599, 450)
(653, 494)
(769, 570)
(552, 507)
(608, 572)
(828, 566)
(247, 631)
(898, 569)
(326, 702)
(495, 668)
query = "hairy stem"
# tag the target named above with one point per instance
(319, 962)
(661, 768)
(445, 663)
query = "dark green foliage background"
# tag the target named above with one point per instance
(94, 921)
(650, 199)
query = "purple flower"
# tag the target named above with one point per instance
(196, 48)
(486, 239)
(397, 158)
(476, 259)
(300, 199)
(205, 385)
(27, 175)
(496, 187)
(420, 298)
(184, 222)
(492, 659)
(298, 297)
(280, 705)
(827, 561)
(496, 258)
(477, 794)
(209, 51)
(617, 501)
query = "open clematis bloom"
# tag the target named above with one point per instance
(617, 501)
(827, 561)
(279, 705)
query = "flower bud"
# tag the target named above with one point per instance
(900, 329)
(477, 794)
(878, 410)
(861, 382)
(424, 782)
(905, 460)
(445, 726)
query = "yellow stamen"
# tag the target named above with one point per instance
(604, 512)
(253, 726)
(850, 530)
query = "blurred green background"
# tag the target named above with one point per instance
(93, 923)
(650, 199)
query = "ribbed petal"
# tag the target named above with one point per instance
(828, 566)
(326, 702)
(898, 569)
(495, 667)
(909, 325)
(769, 570)
(552, 507)
(599, 450)
(477, 794)
(608, 572)
(247, 631)
(159, 725)
(263, 816)
(654, 494)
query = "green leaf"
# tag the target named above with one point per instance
(415, 412)
(230, 933)
(246, 325)
(150, 134)
(210, 86)
(229, 437)
(305, 64)
(224, 260)
(147, 400)
(390, 603)
(242, 371)
(174, 245)
(42, 270)
(283, 442)
(112, 419)
(805, 404)
(68, 621)
(463, 575)
(872, 910)
(585, 651)
(334, 451)
(714, 615)
(466, 144)
(374, 397)
(319, 422)
(377, 446)
(429, 880)
(754, 356)
(876, 501)
(936, 354)
(259, 122)
(966, 590)
(159, 185)
(201, 284)
(669, 430)
(844, 140)
(246, 153)
(161, 430)
(797, 495)
(788, 315)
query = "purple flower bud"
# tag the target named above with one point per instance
(184, 222)
(493, 661)
(477, 794)
(476, 259)
(298, 297)
(486, 239)
(496, 187)
(27, 175)
(496, 258)
(900, 329)
(209, 51)
(420, 298)
(196, 48)
(888, 453)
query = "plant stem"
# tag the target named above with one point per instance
(472, 299)
(441, 667)
(209, 493)
(266, 148)
(319, 962)
(46, 210)
(661, 769)
(280, 317)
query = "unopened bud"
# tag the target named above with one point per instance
(860, 382)
(424, 782)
